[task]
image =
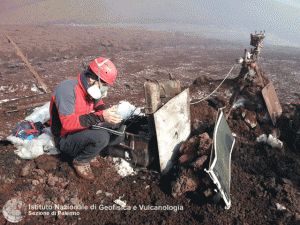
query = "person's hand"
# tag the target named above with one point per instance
(109, 116)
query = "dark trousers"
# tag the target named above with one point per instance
(84, 145)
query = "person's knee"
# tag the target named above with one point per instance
(106, 138)
(101, 137)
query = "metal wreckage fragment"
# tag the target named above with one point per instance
(154, 140)
(250, 73)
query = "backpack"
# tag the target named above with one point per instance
(28, 131)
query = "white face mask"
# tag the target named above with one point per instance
(94, 91)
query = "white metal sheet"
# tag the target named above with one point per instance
(220, 163)
(173, 127)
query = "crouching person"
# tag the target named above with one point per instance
(75, 106)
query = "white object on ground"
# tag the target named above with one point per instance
(274, 142)
(127, 157)
(120, 202)
(99, 192)
(40, 114)
(280, 207)
(123, 167)
(107, 194)
(239, 103)
(30, 149)
(271, 140)
(262, 138)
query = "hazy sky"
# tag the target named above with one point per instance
(230, 19)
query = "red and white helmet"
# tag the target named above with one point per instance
(108, 71)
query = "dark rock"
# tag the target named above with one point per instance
(200, 80)
(190, 146)
(250, 119)
(187, 181)
(205, 144)
(186, 159)
(125, 47)
(46, 162)
(208, 193)
(199, 127)
(27, 169)
(263, 117)
(297, 218)
(105, 43)
(199, 162)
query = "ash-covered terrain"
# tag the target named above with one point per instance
(265, 185)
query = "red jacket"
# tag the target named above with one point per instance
(71, 108)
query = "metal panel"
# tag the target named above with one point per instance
(220, 163)
(272, 101)
(159, 92)
(173, 127)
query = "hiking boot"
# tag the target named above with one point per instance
(95, 162)
(84, 171)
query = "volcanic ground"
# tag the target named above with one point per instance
(265, 181)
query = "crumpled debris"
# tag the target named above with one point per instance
(280, 207)
(204, 144)
(99, 192)
(120, 202)
(123, 167)
(271, 140)
(190, 147)
(239, 103)
(107, 194)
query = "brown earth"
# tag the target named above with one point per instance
(262, 176)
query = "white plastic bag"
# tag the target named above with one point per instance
(40, 114)
(30, 149)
